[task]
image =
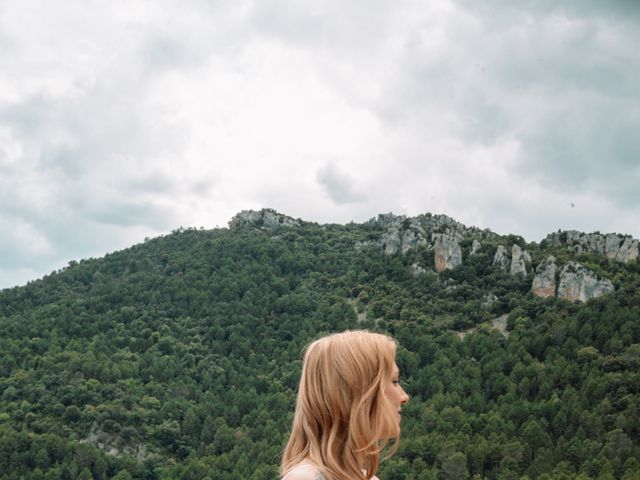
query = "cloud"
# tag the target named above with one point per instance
(124, 121)
(558, 83)
(338, 185)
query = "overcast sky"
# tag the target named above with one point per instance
(126, 119)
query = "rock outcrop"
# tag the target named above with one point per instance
(475, 246)
(402, 234)
(265, 219)
(488, 300)
(417, 270)
(544, 281)
(612, 245)
(628, 251)
(500, 259)
(400, 240)
(519, 260)
(447, 252)
(413, 237)
(622, 248)
(391, 241)
(577, 283)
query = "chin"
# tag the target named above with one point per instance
(395, 433)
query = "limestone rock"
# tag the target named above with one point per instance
(611, 245)
(616, 247)
(577, 283)
(412, 237)
(500, 259)
(360, 244)
(544, 282)
(265, 219)
(488, 300)
(386, 220)
(391, 241)
(628, 251)
(518, 260)
(402, 234)
(475, 246)
(447, 252)
(417, 270)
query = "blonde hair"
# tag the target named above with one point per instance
(342, 419)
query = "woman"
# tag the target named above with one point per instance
(348, 407)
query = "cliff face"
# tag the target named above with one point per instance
(500, 259)
(475, 246)
(265, 219)
(441, 234)
(400, 238)
(517, 264)
(628, 251)
(519, 260)
(447, 252)
(544, 282)
(438, 232)
(578, 283)
(621, 248)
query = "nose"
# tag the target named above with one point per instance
(405, 397)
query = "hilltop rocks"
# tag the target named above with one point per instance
(413, 238)
(615, 247)
(391, 241)
(544, 282)
(517, 265)
(396, 239)
(447, 252)
(519, 258)
(475, 246)
(628, 251)
(425, 225)
(578, 283)
(611, 245)
(500, 259)
(438, 232)
(265, 219)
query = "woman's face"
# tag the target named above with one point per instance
(396, 397)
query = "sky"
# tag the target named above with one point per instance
(121, 120)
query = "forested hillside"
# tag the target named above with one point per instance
(178, 358)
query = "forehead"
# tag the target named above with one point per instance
(396, 370)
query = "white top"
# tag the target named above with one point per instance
(307, 471)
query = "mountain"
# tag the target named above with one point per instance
(179, 357)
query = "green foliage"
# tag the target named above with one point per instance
(179, 358)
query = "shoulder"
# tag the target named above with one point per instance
(304, 471)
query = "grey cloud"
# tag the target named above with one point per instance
(29, 116)
(169, 51)
(129, 213)
(23, 252)
(151, 183)
(342, 28)
(287, 20)
(563, 84)
(586, 148)
(78, 131)
(83, 177)
(503, 10)
(338, 185)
